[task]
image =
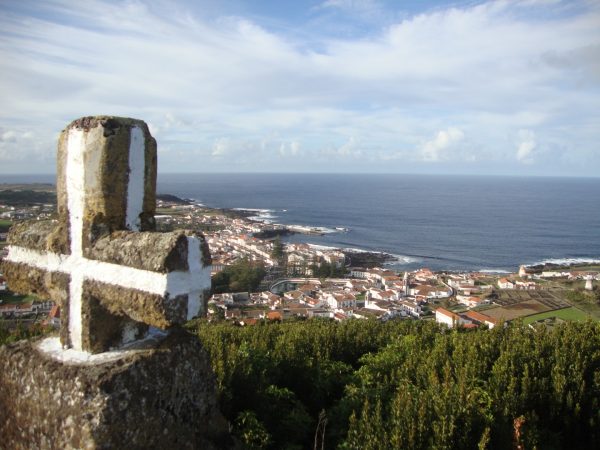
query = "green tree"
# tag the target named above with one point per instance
(410, 384)
(242, 276)
(277, 252)
(251, 431)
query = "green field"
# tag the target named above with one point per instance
(5, 225)
(572, 314)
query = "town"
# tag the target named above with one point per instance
(296, 281)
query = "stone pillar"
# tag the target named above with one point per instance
(111, 275)
(122, 374)
(162, 396)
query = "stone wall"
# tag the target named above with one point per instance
(160, 397)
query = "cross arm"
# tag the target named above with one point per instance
(123, 279)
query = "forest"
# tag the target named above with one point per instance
(407, 384)
(365, 384)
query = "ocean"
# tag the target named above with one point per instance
(435, 221)
(440, 222)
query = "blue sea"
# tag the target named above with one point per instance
(435, 221)
(440, 222)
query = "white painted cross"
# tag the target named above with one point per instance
(92, 181)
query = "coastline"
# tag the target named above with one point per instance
(357, 255)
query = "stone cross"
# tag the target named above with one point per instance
(112, 275)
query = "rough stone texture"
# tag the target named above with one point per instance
(62, 239)
(140, 306)
(162, 397)
(106, 329)
(25, 279)
(116, 307)
(158, 252)
(106, 199)
(32, 234)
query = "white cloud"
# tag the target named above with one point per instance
(350, 148)
(221, 147)
(292, 148)
(353, 6)
(437, 148)
(9, 136)
(237, 86)
(526, 145)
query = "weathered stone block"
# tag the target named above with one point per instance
(162, 396)
(120, 274)
(119, 185)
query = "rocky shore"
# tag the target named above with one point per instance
(367, 259)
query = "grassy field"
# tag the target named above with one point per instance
(517, 310)
(4, 225)
(571, 314)
(585, 301)
(586, 267)
(10, 298)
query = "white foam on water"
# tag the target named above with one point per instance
(254, 210)
(401, 259)
(323, 247)
(567, 261)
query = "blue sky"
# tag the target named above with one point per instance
(475, 87)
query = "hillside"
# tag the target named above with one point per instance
(410, 385)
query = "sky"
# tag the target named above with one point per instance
(358, 86)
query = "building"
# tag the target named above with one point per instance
(442, 315)
(481, 319)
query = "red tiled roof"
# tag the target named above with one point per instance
(54, 312)
(479, 317)
(447, 313)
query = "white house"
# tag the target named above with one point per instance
(457, 281)
(341, 300)
(481, 318)
(358, 272)
(469, 301)
(505, 283)
(525, 285)
(411, 308)
(449, 318)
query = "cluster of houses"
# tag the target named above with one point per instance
(15, 310)
(528, 273)
(302, 258)
(39, 212)
(233, 238)
(376, 293)
(226, 247)
(468, 319)
(366, 293)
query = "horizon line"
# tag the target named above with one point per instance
(477, 175)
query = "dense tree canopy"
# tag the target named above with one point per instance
(278, 250)
(408, 384)
(242, 276)
(328, 270)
